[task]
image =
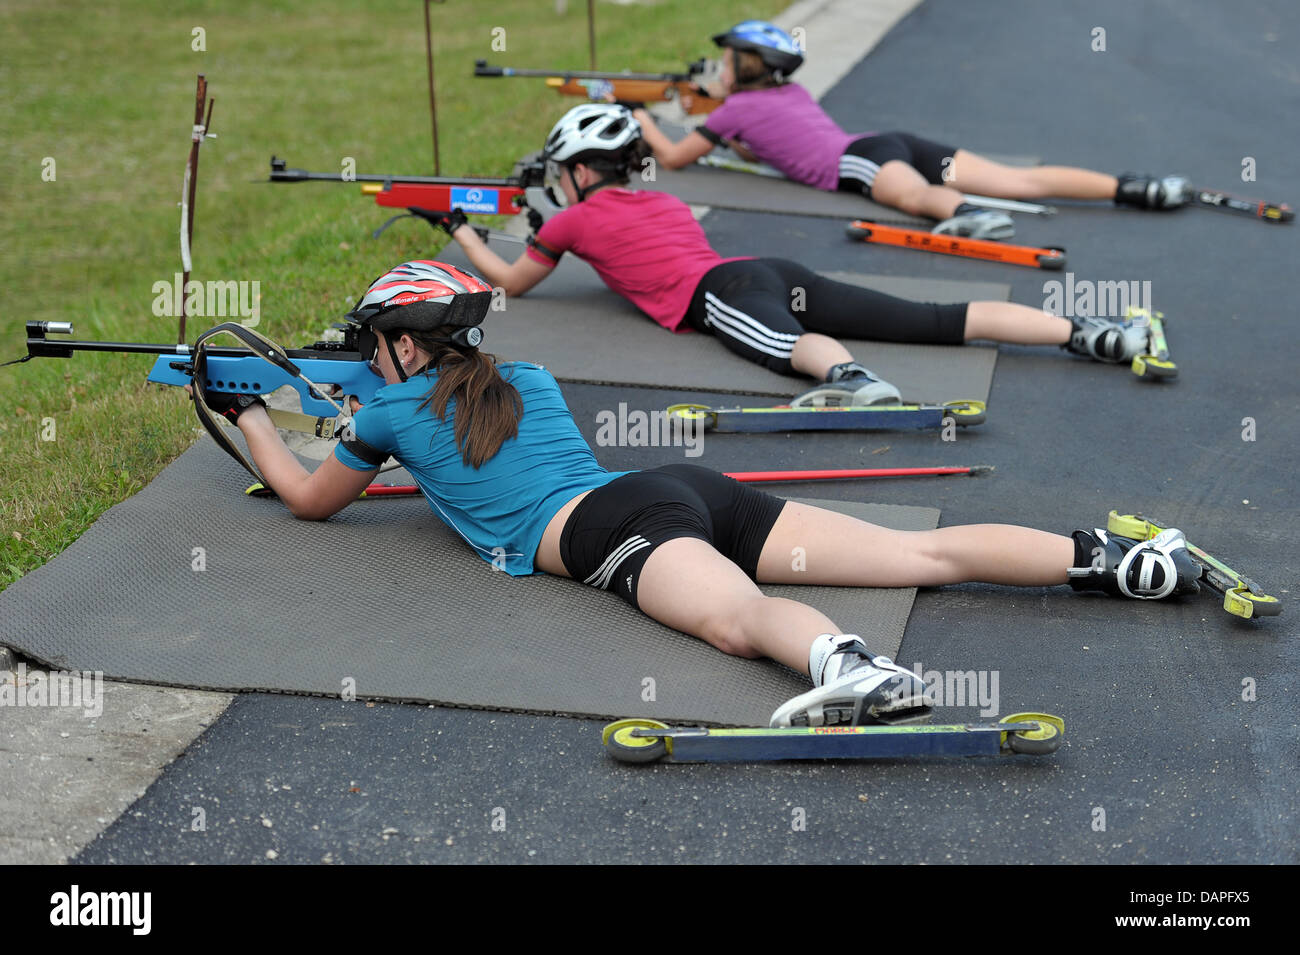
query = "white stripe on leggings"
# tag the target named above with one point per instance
(605, 572)
(745, 328)
(855, 167)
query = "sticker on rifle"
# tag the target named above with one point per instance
(475, 199)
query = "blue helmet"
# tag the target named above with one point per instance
(774, 46)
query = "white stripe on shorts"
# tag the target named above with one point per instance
(605, 572)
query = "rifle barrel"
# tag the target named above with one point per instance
(481, 68)
(302, 175)
(38, 346)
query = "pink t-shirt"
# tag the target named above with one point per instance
(646, 246)
(784, 127)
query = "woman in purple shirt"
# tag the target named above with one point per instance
(766, 118)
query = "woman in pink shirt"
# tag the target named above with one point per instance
(766, 118)
(647, 247)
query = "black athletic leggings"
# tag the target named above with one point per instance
(612, 533)
(864, 157)
(759, 308)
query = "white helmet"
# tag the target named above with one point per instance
(592, 131)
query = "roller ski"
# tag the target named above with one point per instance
(1267, 211)
(861, 706)
(885, 417)
(1154, 363)
(646, 741)
(972, 248)
(1009, 205)
(1242, 597)
(733, 163)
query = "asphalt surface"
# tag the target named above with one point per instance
(1183, 727)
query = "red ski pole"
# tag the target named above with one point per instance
(756, 477)
(759, 477)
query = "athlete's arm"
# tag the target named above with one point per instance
(668, 153)
(310, 496)
(516, 278)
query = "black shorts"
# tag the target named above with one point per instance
(864, 157)
(759, 308)
(610, 535)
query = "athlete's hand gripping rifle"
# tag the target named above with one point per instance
(687, 88)
(523, 191)
(326, 375)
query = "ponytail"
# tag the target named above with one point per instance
(488, 407)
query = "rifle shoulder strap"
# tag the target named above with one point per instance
(268, 350)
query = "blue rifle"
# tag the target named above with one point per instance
(326, 374)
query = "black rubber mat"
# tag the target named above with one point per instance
(581, 331)
(727, 189)
(192, 583)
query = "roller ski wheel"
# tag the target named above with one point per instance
(1041, 737)
(692, 412)
(1154, 364)
(966, 413)
(623, 743)
(1242, 597)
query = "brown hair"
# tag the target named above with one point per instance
(751, 72)
(488, 407)
(620, 170)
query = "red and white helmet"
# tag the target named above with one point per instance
(421, 296)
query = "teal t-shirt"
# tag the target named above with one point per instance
(502, 508)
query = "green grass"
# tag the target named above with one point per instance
(107, 91)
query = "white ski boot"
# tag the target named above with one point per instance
(848, 385)
(1106, 340)
(973, 222)
(1148, 192)
(1147, 570)
(853, 687)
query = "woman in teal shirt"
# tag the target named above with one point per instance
(499, 458)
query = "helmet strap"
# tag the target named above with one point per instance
(462, 337)
(583, 191)
(392, 353)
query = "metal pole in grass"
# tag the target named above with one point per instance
(197, 135)
(591, 32)
(433, 102)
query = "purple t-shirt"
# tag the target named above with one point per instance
(784, 127)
